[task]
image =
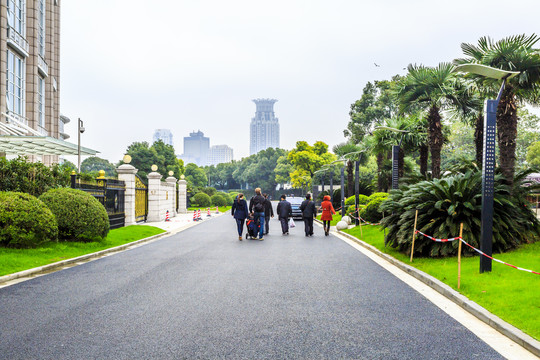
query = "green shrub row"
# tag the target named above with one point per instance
(59, 214)
(219, 198)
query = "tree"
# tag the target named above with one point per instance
(195, 175)
(142, 157)
(533, 154)
(528, 133)
(514, 53)
(349, 151)
(94, 164)
(433, 89)
(166, 159)
(306, 160)
(376, 104)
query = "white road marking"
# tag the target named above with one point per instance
(499, 342)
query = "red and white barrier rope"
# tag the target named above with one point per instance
(438, 240)
(477, 250)
(497, 260)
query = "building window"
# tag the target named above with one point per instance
(16, 10)
(41, 26)
(41, 102)
(15, 83)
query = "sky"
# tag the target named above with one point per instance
(129, 67)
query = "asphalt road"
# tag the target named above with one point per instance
(202, 294)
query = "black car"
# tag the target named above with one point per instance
(295, 205)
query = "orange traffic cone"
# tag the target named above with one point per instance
(208, 212)
(195, 215)
(199, 215)
(217, 209)
(167, 216)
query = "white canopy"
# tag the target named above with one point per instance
(40, 145)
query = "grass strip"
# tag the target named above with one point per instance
(15, 260)
(510, 294)
(335, 219)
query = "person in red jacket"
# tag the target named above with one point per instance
(327, 211)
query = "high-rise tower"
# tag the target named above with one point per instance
(264, 128)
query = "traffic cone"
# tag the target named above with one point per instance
(217, 209)
(199, 217)
(167, 216)
(195, 215)
(208, 212)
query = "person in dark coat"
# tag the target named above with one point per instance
(268, 213)
(256, 205)
(240, 212)
(308, 213)
(284, 211)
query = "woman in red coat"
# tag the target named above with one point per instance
(327, 211)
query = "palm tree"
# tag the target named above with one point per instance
(514, 53)
(350, 151)
(432, 89)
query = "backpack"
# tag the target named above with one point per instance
(258, 207)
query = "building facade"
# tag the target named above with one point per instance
(164, 135)
(264, 127)
(196, 149)
(30, 70)
(220, 154)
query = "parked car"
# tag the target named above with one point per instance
(295, 205)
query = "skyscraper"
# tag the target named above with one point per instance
(164, 135)
(264, 127)
(220, 154)
(196, 148)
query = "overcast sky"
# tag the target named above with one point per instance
(131, 66)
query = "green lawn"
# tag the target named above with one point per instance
(511, 294)
(15, 260)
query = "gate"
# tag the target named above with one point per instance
(141, 199)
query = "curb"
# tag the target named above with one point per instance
(63, 263)
(478, 311)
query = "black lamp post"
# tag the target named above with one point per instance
(488, 162)
(395, 154)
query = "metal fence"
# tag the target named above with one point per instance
(110, 193)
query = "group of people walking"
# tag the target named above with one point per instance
(260, 210)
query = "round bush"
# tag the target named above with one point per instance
(80, 216)
(376, 196)
(25, 221)
(371, 212)
(232, 196)
(201, 199)
(362, 199)
(219, 200)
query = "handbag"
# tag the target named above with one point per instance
(291, 223)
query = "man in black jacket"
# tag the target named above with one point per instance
(268, 212)
(256, 206)
(308, 213)
(284, 211)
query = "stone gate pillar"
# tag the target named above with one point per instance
(126, 173)
(172, 181)
(154, 194)
(182, 195)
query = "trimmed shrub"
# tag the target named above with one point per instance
(80, 216)
(209, 191)
(25, 221)
(371, 211)
(377, 195)
(219, 200)
(363, 200)
(232, 196)
(201, 199)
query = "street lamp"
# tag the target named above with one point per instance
(488, 162)
(395, 154)
(80, 130)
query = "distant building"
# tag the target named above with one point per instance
(264, 128)
(220, 154)
(164, 135)
(196, 149)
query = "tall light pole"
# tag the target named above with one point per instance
(488, 162)
(395, 154)
(80, 130)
